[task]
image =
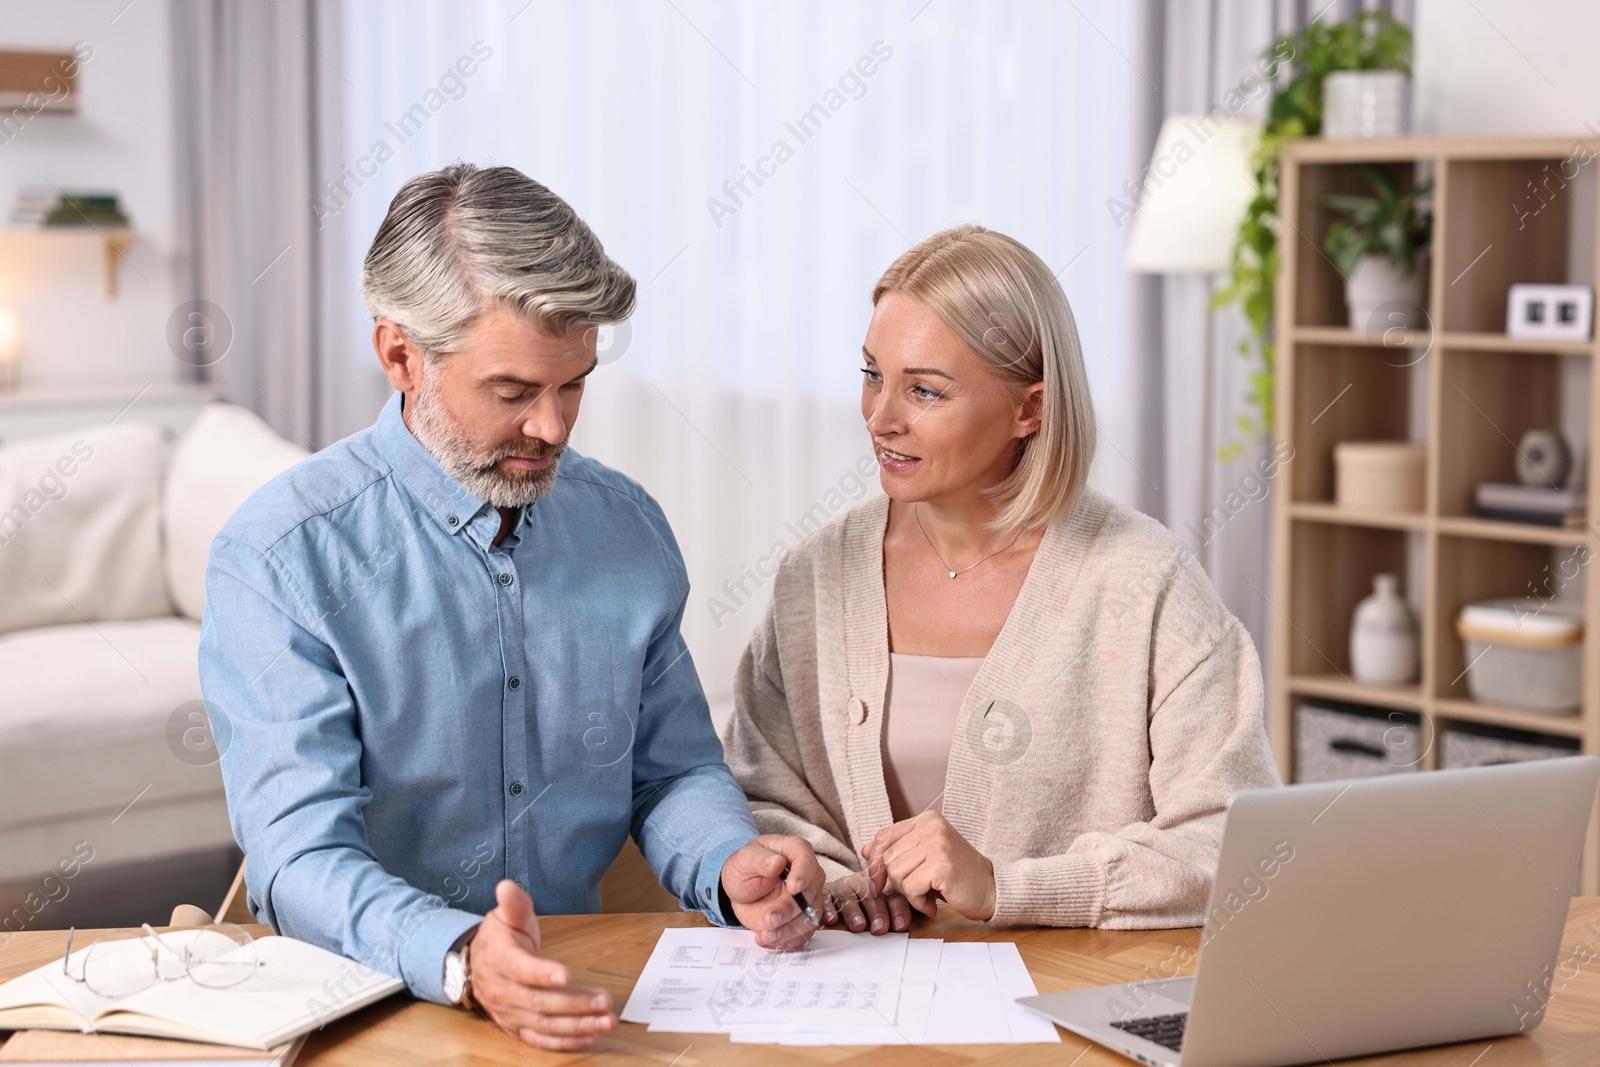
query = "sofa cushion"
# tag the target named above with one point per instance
(227, 454)
(94, 718)
(80, 536)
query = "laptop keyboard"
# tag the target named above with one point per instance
(1164, 1030)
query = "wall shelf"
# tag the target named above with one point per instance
(114, 244)
(1463, 389)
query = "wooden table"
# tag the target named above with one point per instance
(610, 951)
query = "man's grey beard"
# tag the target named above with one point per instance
(481, 476)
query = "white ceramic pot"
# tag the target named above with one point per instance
(1379, 297)
(1383, 636)
(1365, 103)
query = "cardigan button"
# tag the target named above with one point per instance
(858, 711)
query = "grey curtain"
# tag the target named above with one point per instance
(259, 98)
(1191, 53)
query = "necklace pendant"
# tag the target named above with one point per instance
(952, 574)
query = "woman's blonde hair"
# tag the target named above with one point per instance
(1006, 305)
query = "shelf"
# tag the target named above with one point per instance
(1477, 342)
(114, 244)
(63, 396)
(1499, 342)
(1506, 212)
(1454, 526)
(1338, 687)
(1333, 513)
(1499, 530)
(1570, 725)
(1417, 149)
(1342, 335)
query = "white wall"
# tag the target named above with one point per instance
(1507, 67)
(120, 139)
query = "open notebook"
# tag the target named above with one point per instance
(297, 988)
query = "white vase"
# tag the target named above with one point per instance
(1379, 297)
(1365, 103)
(1383, 636)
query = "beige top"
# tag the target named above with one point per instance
(919, 719)
(1094, 755)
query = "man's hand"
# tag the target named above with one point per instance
(524, 994)
(928, 861)
(862, 901)
(763, 899)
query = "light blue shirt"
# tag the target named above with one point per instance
(408, 712)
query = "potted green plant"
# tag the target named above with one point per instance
(1372, 40)
(1377, 243)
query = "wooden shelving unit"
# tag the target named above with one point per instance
(1464, 389)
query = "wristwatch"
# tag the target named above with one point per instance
(457, 975)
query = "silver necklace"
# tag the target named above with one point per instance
(968, 567)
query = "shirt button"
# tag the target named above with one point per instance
(857, 711)
(453, 521)
(505, 577)
(516, 789)
(514, 683)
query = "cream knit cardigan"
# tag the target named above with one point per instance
(1094, 756)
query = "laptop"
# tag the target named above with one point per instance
(1353, 918)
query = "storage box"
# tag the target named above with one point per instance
(1334, 741)
(1523, 653)
(1480, 746)
(1380, 475)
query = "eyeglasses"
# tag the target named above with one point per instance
(124, 962)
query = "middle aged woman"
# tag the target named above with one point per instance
(995, 686)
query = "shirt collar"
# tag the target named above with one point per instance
(440, 495)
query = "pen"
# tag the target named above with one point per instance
(805, 905)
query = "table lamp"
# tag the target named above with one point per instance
(1195, 193)
(9, 347)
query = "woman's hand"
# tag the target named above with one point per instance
(861, 902)
(928, 861)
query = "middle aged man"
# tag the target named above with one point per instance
(447, 648)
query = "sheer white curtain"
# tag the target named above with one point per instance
(756, 166)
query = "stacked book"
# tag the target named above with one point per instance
(47, 207)
(1543, 505)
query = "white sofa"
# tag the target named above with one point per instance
(103, 541)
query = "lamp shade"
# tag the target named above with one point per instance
(1194, 195)
(10, 334)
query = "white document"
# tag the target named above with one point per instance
(708, 981)
(972, 1002)
(1012, 976)
(916, 1000)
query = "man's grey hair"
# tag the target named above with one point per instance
(458, 238)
